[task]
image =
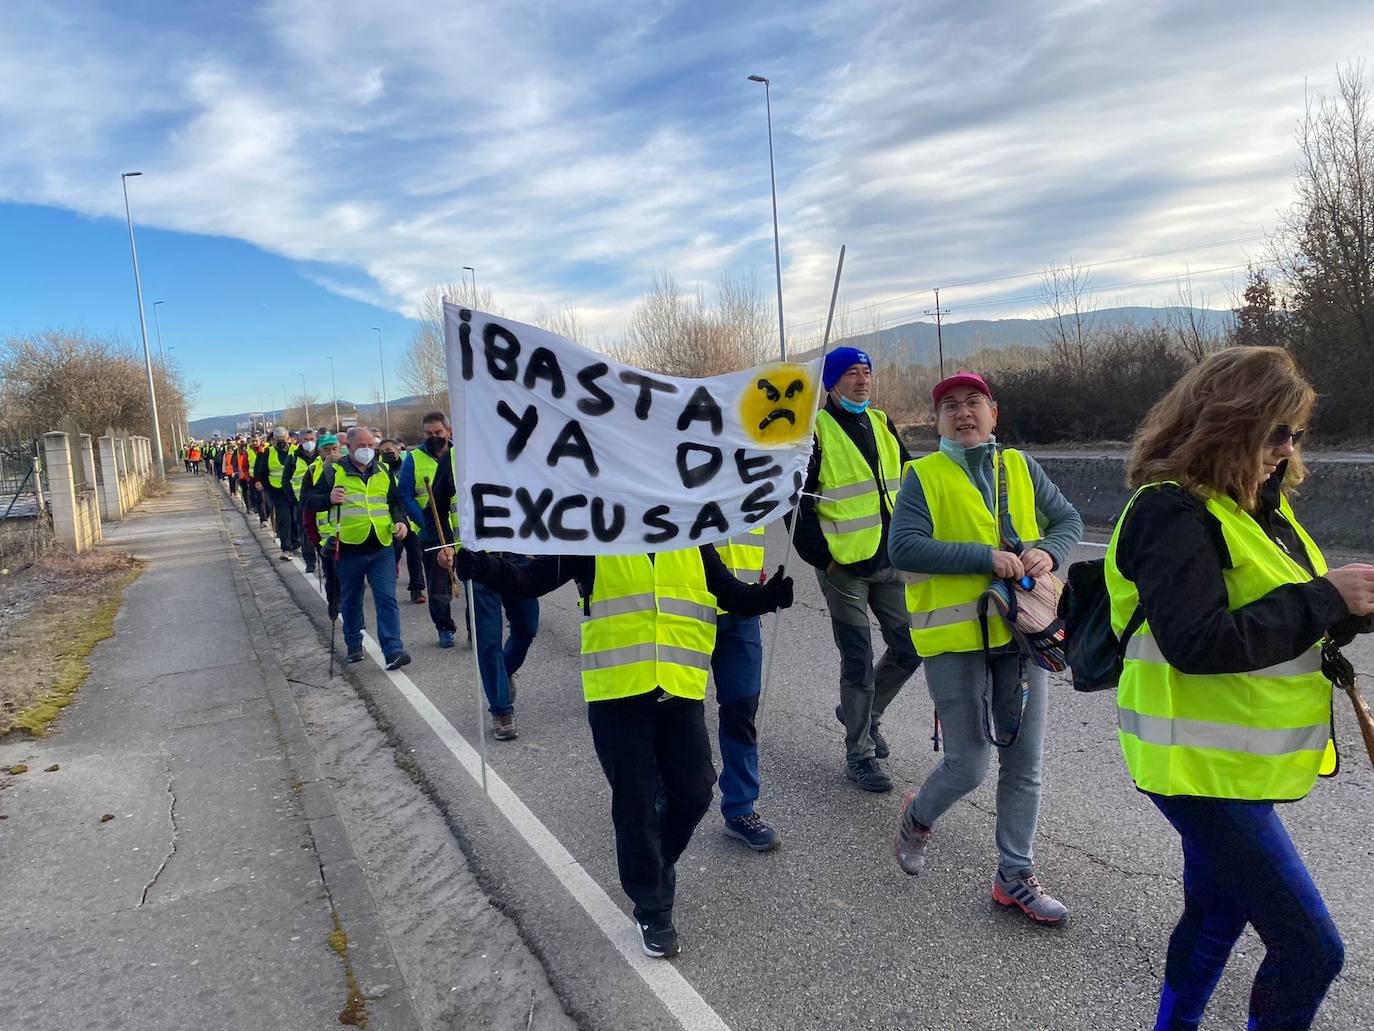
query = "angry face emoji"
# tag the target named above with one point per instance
(776, 405)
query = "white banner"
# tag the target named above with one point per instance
(561, 450)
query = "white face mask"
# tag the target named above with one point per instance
(362, 455)
(308, 446)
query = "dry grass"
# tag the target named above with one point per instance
(55, 612)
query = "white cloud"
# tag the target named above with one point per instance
(569, 152)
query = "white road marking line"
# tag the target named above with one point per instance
(1091, 544)
(678, 996)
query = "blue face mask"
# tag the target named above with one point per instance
(857, 407)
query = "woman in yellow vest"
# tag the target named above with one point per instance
(949, 536)
(1224, 602)
(646, 650)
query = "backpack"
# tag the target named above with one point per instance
(1092, 649)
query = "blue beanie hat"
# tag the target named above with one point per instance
(838, 361)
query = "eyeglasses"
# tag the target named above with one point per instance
(973, 401)
(1282, 434)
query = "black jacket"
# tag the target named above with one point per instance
(261, 469)
(1173, 549)
(536, 577)
(810, 541)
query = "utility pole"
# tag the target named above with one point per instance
(386, 405)
(939, 314)
(304, 399)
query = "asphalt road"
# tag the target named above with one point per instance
(827, 932)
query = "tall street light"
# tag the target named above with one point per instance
(773, 182)
(469, 268)
(143, 327)
(162, 355)
(304, 400)
(333, 389)
(386, 406)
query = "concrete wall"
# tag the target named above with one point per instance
(1336, 504)
(75, 515)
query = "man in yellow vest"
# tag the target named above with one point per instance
(419, 473)
(646, 649)
(737, 665)
(270, 477)
(846, 507)
(368, 517)
(293, 483)
(966, 513)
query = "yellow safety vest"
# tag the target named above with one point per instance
(649, 624)
(1260, 735)
(275, 465)
(852, 500)
(426, 468)
(324, 518)
(298, 474)
(944, 606)
(364, 505)
(743, 556)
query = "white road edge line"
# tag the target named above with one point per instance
(1091, 544)
(678, 996)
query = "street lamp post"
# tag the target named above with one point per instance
(162, 356)
(386, 406)
(469, 268)
(773, 182)
(304, 400)
(333, 389)
(143, 327)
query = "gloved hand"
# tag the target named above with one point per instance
(778, 591)
(465, 564)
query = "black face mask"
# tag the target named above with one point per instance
(392, 461)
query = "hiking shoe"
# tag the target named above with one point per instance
(753, 830)
(357, 656)
(911, 841)
(285, 556)
(503, 727)
(398, 660)
(657, 937)
(868, 775)
(417, 599)
(880, 749)
(445, 638)
(1026, 893)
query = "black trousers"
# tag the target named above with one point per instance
(415, 566)
(284, 517)
(440, 590)
(644, 742)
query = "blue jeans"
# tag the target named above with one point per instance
(495, 662)
(379, 570)
(1239, 867)
(737, 663)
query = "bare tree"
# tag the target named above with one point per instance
(1195, 335)
(565, 321)
(1070, 312)
(681, 335)
(424, 371)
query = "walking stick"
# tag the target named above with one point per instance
(792, 530)
(333, 619)
(1339, 670)
(476, 666)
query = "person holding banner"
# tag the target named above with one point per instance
(962, 513)
(842, 530)
(737, 665)
(646, 649)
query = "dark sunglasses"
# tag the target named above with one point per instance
(1282, 434)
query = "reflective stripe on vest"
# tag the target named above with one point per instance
(649, 624)
(850, 509)
(1260, 735)
(298, 475)
(944, 606)
(364, 505)
(743, 556)
(324, 518)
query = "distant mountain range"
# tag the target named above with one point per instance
(912, 343)
(915, 343)
(321, 411)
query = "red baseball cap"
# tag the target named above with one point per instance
(960, 379)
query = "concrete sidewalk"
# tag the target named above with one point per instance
(210, 899)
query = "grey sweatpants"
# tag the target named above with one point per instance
(866, 690)
(956, 681)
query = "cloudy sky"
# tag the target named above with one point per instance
(312, 166)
